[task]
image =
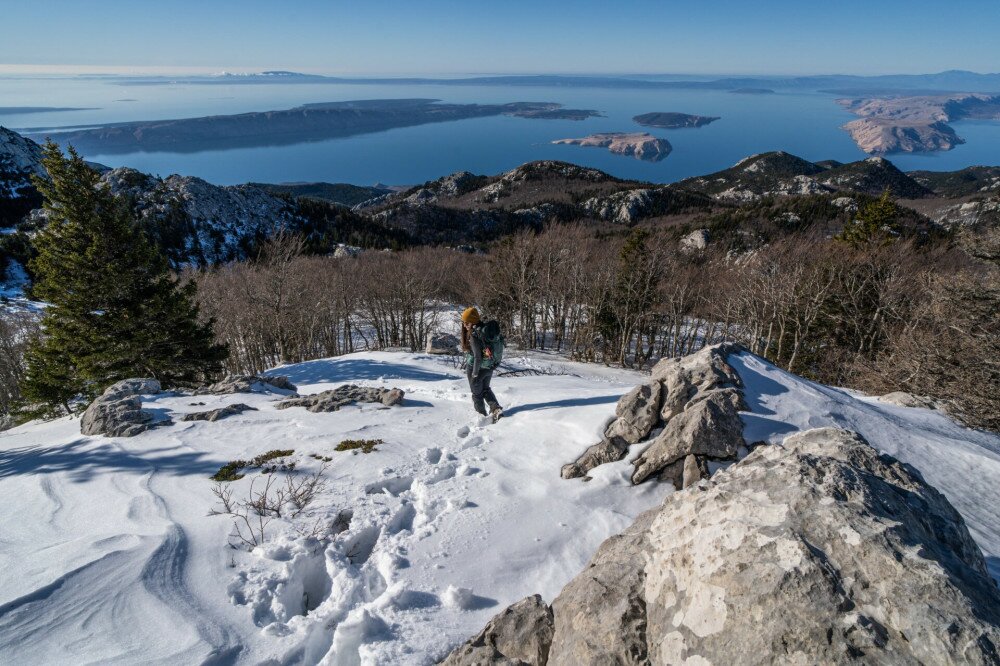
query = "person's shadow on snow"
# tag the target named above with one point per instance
(556, 404)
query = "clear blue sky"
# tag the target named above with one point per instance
(429, 37)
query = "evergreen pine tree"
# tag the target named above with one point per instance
(113, 310)
(876, 222)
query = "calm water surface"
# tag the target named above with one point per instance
(806, 124)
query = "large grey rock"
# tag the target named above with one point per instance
(250, 384)
(818, 551)
(704, 370)
(695, 241)
(442, 343)
(520, 634)
(220, 413)
(707, 427)
(609, 449)
(133, 386)
(118, 411)
(638, 412)
(333, 400)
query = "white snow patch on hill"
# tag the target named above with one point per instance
(108, 554)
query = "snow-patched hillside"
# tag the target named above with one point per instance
(109, 554)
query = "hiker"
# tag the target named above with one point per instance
(483, 347)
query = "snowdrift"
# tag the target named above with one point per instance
(109, 552)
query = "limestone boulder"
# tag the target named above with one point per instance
(609, 449)
(709, 427)
(520, 634)
(638, 412)
(220, 413)
(118, 411)
(818, 551)
(333, 400)
(442, 343)
(250, 384)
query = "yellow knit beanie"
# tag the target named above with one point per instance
(471, 316)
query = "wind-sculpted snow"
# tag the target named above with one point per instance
(108, 553)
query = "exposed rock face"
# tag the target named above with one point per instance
(118, 411)
(609, 449)
(520, 634)
(695, 241)
(250, 384)
(214, 220)
(442, 343)
(638, 144)
(346, 251)
(697, 400)
(638, 411)
(220, 413)
(621, 207)
(710, 427)
(331, 401)
(818, 551)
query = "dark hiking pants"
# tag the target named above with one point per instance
(481, 391)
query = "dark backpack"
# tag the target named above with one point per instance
(493, 344)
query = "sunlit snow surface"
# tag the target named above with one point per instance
(108, 554)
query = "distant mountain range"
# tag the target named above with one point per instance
(840, 84)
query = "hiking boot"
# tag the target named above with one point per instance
(496, 414)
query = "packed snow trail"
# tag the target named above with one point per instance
(107, 554)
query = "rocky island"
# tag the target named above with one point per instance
(753, 91)
(640, 145)
(309, 122)
(673, 120)
(912, 124)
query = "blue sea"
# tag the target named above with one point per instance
(806, 124)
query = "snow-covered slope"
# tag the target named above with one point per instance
(108, 554)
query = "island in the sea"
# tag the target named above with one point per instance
(10, 110)
(640, 145)
(309, 122)
(753, 91)
(673, 120)
(917, 123)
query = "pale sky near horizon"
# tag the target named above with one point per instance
(449, 37)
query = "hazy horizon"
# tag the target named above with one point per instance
(449, 38)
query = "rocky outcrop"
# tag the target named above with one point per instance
(331, 401)
(817, 551)
(118, 411)
(216, 222)
(442, 343)
(640, 145)
(250, 384)
(692, 407)
(520, 634)
(220, 413)
(696, 241)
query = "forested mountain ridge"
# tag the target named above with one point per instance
(198, 223)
